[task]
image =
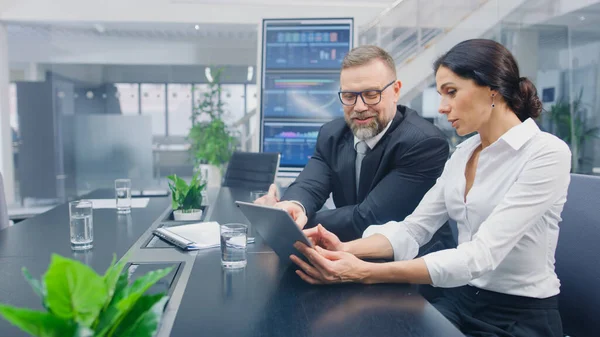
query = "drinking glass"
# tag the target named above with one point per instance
(123, 195)
(82, 224)
(233, 245)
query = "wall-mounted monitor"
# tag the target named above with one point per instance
(302, 96)
(295, 141)
(300, 71)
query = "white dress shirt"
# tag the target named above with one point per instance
(508, 226)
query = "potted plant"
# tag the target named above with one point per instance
(79, 302)
(212, 143)
(569, 122)
(186, 199)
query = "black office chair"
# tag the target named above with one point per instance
(3, 210)
(577, 256)
(252, 170)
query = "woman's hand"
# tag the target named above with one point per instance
(319, 236)
(329, 266)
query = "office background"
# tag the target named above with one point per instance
(94, 90)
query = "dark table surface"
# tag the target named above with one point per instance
(264, 299)
(31, 243)
(268, 299)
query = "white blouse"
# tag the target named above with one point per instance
(508, 226)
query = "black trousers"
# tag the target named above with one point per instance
(482, 313)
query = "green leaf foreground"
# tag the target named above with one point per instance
(74, 290)
(37, 323)
(79, 302)
(37, 286)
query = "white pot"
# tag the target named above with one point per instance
(192, 215)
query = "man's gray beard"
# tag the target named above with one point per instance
(366, 132)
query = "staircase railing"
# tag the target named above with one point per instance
(408, 27)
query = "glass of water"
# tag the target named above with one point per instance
(233, 245)
(253, 196)
(257, 194)
(82, 224)
(123, 195)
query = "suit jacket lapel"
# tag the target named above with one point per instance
(371, 162)
(347, 168)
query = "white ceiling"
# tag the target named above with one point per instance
(316, 3)
(188, 11)
(148, 31)
(161, 42)
(586, 19)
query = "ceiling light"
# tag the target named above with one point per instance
(250, 73)
(208, 74)
(581, 18)
(197, 27)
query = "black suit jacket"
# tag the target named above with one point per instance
(395, 174)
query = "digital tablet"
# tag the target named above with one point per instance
(276, 227)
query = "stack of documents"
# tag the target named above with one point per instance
(192, 237)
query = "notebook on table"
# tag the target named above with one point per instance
(196, 236)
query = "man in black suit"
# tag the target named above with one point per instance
(378, 161)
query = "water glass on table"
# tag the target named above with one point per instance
(257, 194)
(81, 224)
(253, 196)
(233, 245)
(123, 195)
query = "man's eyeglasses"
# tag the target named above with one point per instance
(369, 97)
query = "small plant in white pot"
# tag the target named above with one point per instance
(186, 199)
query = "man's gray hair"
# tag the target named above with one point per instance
(364, 54)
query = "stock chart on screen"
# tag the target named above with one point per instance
(295, 141)
(318, 46)
(302, 96)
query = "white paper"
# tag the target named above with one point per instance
(204, 234)
(112, 203)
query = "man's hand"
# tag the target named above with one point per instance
(270, 199)
(328, 266)
(295, 211)
(319, 236)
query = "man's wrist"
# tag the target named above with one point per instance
(299, 204)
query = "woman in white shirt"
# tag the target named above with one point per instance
(505, 187)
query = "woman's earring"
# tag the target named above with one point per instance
(493, 105)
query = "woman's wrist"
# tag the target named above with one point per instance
(366, 273)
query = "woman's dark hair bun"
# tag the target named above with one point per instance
(528, 103)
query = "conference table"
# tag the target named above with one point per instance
(266, 298)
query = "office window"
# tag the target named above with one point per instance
(128, 96)
(232, 95)
(154, 104)
(12, 101)
(180, 109)
(251, 100)
(251, 107)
